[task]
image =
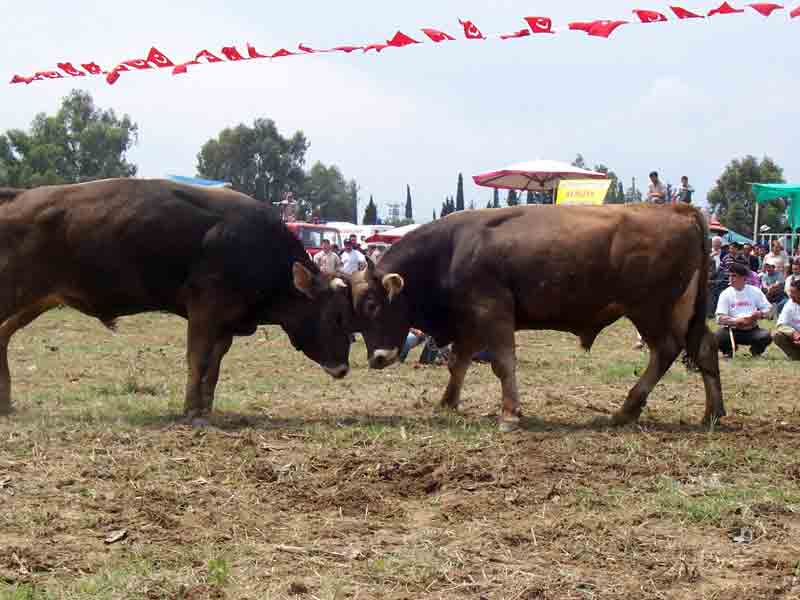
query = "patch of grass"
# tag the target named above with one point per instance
(219, 572)
(24, 591)
(622, 371)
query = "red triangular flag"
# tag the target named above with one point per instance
(158, 59)
(208, 56)
(376, 47)
(138, 63)
(251, 52)
(725, 9)
(309, 49)
(346, 49)
(282, 52)
(604, 28)
(540, 24)
(765, 8)
(92, 68)
(400, 39)
(516, 34)
(70, 70)
(180, 69)
(232, 54)
(682, 13)
(649, 16)
(437, 36)
(580, 26)
(21, 79)
(795, 13)
(471, 31)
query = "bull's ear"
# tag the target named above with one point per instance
(370, 264)
(393, 284)
(303, 279)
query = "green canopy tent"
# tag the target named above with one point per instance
(764, 192)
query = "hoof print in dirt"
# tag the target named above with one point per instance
(297, 588)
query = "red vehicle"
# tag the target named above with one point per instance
(312, 235)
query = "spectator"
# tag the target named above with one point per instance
(794, 276)
(354, 243)
(352, 259)
(787, 331)
(738, 311)
(327, 260)
(716, 250)
(414, 338)
(684, 192)
(734, 255)
(753, 263)
(772, 284)
(777, 256)
(656, 191)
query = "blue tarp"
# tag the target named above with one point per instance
(197, 181)
(732, 236)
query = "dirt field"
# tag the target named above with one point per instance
(305, 487)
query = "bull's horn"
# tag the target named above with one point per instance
(338, 283)
(393, 284)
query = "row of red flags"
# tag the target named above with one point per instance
(535, 25)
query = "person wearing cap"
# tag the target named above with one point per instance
(787, 331)
(739, 308)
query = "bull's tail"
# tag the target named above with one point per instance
(697, 324)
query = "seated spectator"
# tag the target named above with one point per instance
(787, 331)
(716, 250)
(738, 311)
(752, 260)
(794, 276)
(777, 257)
(414, 338)
(772, 284)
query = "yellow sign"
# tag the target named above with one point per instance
(582, 191)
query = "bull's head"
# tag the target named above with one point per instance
(320, 323)
(381, 313)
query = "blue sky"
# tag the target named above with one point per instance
(678, 97)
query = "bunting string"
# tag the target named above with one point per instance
(603, 28)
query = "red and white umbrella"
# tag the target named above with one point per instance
(534, 176)
(392, 235)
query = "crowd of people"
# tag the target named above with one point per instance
(750, 284)
(348, 260)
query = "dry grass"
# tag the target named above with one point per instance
(309, 488)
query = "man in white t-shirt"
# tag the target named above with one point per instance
(656, 191)
(794, 276)
(739, 308)
(787, 331)
(352, 259)
(327, 260)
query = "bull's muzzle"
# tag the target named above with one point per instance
(338, 371)
(383, 358)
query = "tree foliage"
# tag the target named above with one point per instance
(79, 143)
(409, 209)
(257, 160)
(512, 199)
(370, 213)
(732, 200)
(460, 193)
(448, 206)
(328, 195)
(496, 198)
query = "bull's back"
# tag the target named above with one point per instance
(562, 264)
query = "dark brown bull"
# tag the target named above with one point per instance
(124, 246)
(476, 277)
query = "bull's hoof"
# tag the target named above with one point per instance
(621, 418)
(508, 424)
(196, 419)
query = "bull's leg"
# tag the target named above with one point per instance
(7, 329)
(199, 352)
(460, 359)
(662, 355)
(708, 363)
(504, 366)
(212, 375)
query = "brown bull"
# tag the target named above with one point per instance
(123, 246)
(476, 277)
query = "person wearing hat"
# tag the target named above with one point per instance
(739, 308)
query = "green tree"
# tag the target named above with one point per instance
(613, 196)
(79, 143)
(496, 198)
(489, 204)
(460, 193)
(434, 214)
(370, 213)
(529, 198)
(732, 200)
(512, 199)
(409, 210)
(257, 160)
(328, 194)
(579, 161)
(472, 204)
